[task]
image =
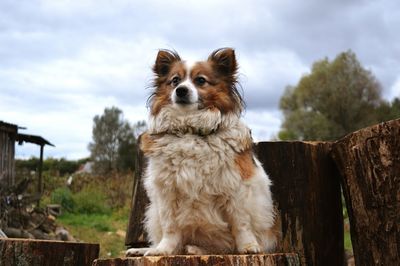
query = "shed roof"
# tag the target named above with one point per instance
(7, 127)
(32, 139)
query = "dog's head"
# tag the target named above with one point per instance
(198, 85)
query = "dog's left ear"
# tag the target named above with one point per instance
(164, 61)
(224, 61)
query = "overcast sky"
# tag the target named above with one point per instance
(62, 62)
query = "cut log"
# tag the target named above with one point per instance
(289, 259)
(136, 236)
(41, 252)
(369, 162)
(306, 190)
(307, 193)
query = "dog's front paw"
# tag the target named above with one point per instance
(158, 252)
(194, 250)
(249, 248)
(135, 252)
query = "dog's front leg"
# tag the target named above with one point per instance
(242, 231)
(171, 236)
(169, 244)
(245, 239)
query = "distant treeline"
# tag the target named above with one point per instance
(58, 167)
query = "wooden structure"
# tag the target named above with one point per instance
(306, 191)
(21, 138)
(288, 259)
(43, 253)
(369, 163)
(8, 135)
(306, 188)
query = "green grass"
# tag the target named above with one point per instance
(100, 222)
(107, 230)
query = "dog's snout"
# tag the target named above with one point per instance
(182, 91)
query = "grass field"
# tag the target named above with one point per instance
(106, 229)
(95, 210)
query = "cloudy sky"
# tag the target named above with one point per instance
(63, 61)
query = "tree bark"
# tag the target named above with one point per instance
(306, 191)
(369, 162)
(136, 235)
(289, 259)
(50, 253)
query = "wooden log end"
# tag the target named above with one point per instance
(205, 260)
(43, 252)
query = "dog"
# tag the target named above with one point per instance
(208, 192)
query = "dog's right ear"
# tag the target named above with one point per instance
(164, 61)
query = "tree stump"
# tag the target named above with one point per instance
(26, 252)
(135, 233)
(306, 190)
(289, 259)
(369, 162)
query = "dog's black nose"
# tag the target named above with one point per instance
(182, 91)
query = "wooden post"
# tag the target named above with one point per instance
(289, 259)
(40, 168)
(369, 162)
(306, 191)
(136, 235)
(40, 183)
(48, 253)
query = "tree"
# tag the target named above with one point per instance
(114, 142)
(389, 111)
(336, 98)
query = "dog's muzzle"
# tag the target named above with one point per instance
(182, 95)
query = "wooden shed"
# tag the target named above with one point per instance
(8, 136)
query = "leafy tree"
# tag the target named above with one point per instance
(336, 98)
(389, 111)
(114, 142)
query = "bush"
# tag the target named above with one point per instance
(64, 197)
(91, 200)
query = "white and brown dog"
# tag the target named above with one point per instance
(208, 193)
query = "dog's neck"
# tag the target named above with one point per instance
(171, 120)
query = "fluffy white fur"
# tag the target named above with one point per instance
(199, 203)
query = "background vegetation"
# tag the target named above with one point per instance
(336, 98)
(95, 198)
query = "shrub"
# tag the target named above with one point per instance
(64, 197)
(91, 200)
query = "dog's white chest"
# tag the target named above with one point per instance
(195, 166)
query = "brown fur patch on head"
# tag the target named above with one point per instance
(215, 93)
(168, 64)
(224, 66)
(245, 164)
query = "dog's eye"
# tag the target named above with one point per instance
(175, 81)
(200, 81)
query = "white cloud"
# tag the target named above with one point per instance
(265, 74)
(264, 125)
(395, 89)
